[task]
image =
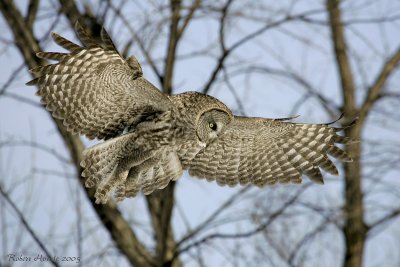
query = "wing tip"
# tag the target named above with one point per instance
(39, 54)
(78, 26)
(351, 124)
(32, 82)
(332, 122)
(318, 180)
(54, 35)
(348, 159)
(287, 118)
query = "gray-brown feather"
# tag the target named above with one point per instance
(153, 137)
(114, 163)
(95, 91)
(266, 151)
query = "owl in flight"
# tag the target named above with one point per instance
(151, 137)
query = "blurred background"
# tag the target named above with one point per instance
(313, 58)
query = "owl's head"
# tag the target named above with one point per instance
(207, 115)
(211, 124)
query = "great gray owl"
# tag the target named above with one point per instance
(151, 137)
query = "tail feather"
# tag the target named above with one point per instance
(152, 174)
(131, 187)
(98, 163)
(103, 168)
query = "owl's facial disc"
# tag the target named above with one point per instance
(211, 124)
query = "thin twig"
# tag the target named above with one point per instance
(385, 219)
(233, 91)
(139, 41)
(23, 99)
(27, 226)
(32, 12)
(213, 216)
(250, 233)
(374, 91)
(11, 78)
(225, 53)
(51, 151)
(189, 16)
(328, 105)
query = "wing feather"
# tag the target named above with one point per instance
(267, 151)
(65, 43)
(94, 90)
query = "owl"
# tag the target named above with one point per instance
(150, 138)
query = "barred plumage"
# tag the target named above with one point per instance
(266, 151)
(88, 83)
(150, 137)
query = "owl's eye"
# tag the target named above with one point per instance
(213, 126)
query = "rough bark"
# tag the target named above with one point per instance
(354, 228)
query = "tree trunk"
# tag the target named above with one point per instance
(354, 227)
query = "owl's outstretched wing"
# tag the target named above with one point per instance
(93, 89)
(267, 151)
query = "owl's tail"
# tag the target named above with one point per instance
(98, 161)
(103, 167)
(121, 164)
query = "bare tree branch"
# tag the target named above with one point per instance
(71, 11)
(173, 39)
(111, 217)
(388, 94)
(343, 63)
(330, 108)
(222, 22)
(392, 215)
(160, 203)
(39, 146)
(11, 78)
(233, 91)
(271, 218)
(22, 99)
(32, 11)
(374, 92)
(24, 38)
(212, 217)
(189, 16)
(309, 236)
(166, 29)
(348, 22)
(142, 47)
(28, 227)
(354, 226)
(227, 51)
